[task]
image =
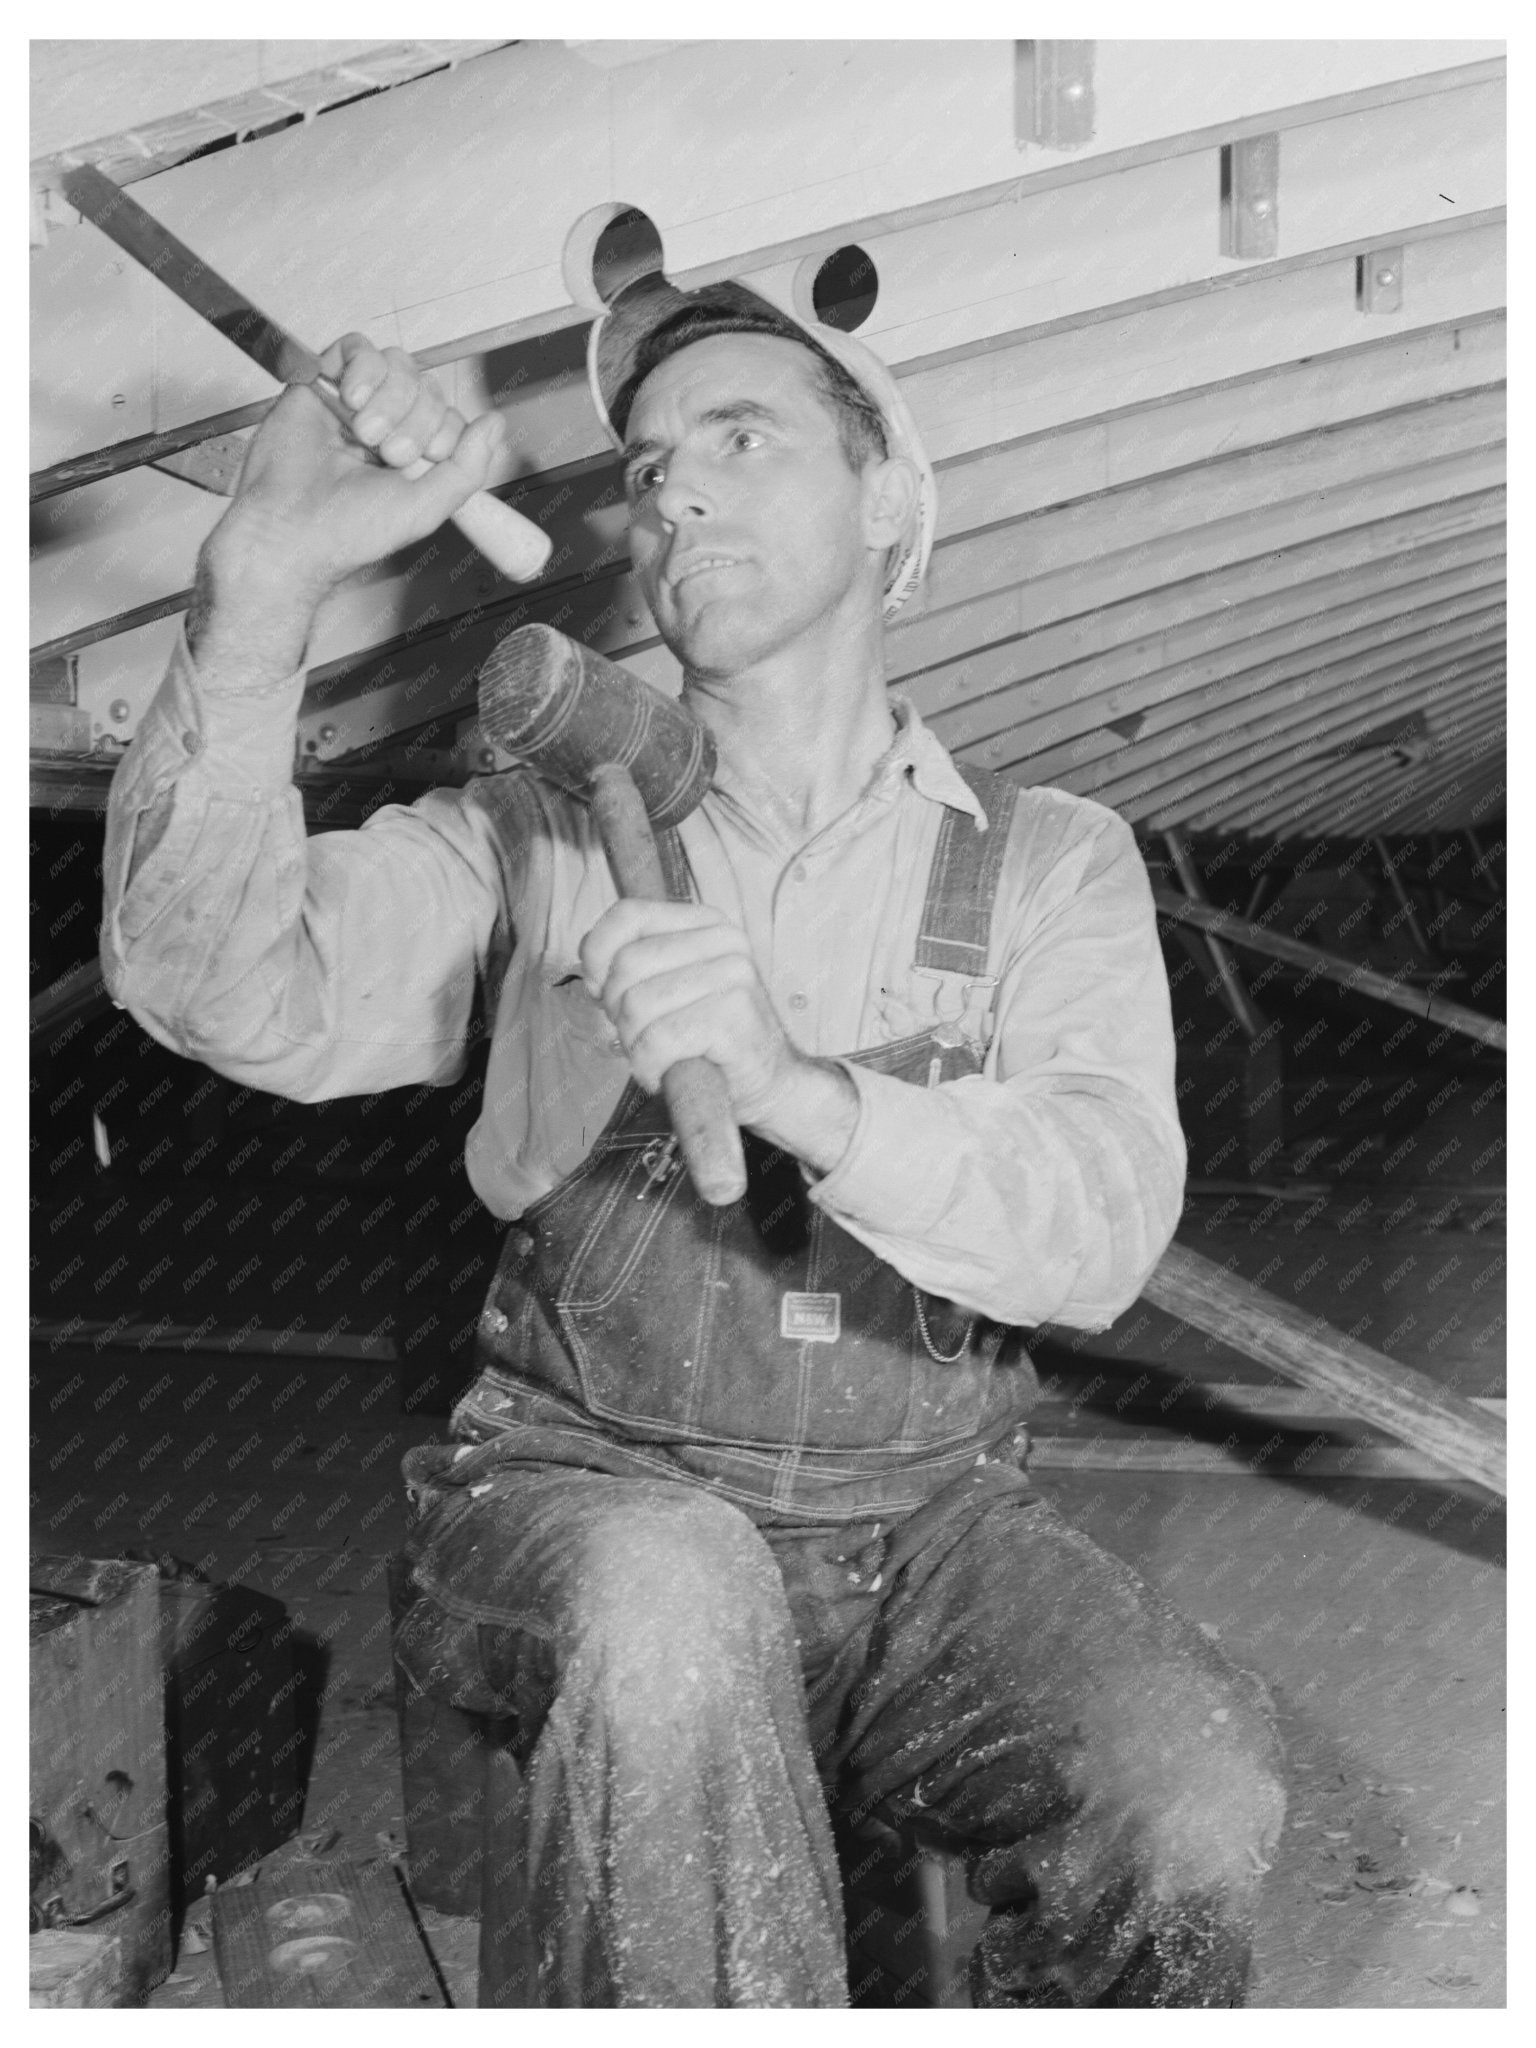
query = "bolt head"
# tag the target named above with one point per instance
(117, 711)
(1386, 276)
(327, 734)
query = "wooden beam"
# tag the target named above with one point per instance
(1469, 795)
(1260, 755)
(1159, 680)
(1473, 744)
(1331, 966)
(1060, 615)
(1407, 1404)
(1339, 804)
(1291, 494)
(1169, 772)
(1238, 1000)
(1450, 685)
(1120, 643)
(1152, 345)
(79, 993)
(1235, 795)
(1180, 445)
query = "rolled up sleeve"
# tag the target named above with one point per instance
(1046, 1188)
(306, 966)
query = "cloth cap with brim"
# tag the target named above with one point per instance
(618, 335)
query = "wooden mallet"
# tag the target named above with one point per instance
(640, 761)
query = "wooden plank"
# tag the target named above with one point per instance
(1181, 444)
(1465, 799)
(1170, 769)
(1281, 788)
(1328, 1461)
(1471, 750)
(1350, 788)
(329, 1935)
(1148, 227)
(1233, 654)
(1332, 967)
(1264, 790)
(1320, 477)
(85, 88)
(1155, 630)
(313, 188)
(1298, 490)
(1288, 1404)
(1136, 349)
(97, 1755)
(1404, 1402)
(165, 1335)
(1318, 706)
(1101, 619)
(584, 517)
(1268, 777)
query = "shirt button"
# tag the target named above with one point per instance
(797, 872)
(798, 1001)
(494, 1321)
(192, 741)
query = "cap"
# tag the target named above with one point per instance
(619, 333)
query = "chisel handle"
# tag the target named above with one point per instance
(695, 1091)
(517, 547)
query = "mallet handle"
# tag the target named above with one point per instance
(694, 1089)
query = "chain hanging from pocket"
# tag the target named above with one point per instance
(941, 1357)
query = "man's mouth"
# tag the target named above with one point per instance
(698, 565)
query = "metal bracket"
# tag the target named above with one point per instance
(1250, 197)
(212, 465)
(1379, 280)
(1053, 103)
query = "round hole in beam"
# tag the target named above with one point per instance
(838, 290)
(611, 246)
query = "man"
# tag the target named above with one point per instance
(735, 1528)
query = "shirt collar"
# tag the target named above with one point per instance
(918, 752)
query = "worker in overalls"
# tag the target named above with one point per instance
(734, 1527)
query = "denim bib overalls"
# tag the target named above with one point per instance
(760, 1347)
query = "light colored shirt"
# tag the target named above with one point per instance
(1044, 1188)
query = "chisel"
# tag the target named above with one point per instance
(516, 546)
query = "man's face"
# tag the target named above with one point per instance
(747, 526)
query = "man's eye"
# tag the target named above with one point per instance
(645, 477)
(746, 437)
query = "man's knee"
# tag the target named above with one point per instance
(1212, 1803)
(672, 1593)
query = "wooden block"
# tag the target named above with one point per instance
(97, 1776)
(75, 1966)
(332, 1935)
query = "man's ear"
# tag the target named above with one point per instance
(890, 500)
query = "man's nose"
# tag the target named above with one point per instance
(683, 493)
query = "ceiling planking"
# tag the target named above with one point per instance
(1206, 524)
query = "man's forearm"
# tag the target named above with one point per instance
(251, 613)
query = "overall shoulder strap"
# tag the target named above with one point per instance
(962, 880)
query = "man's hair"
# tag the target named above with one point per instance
(716, 310)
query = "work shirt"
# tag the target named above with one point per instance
(1044, 1188)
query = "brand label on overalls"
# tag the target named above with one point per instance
(811, 1318)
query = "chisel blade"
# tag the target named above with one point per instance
(142, 237)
